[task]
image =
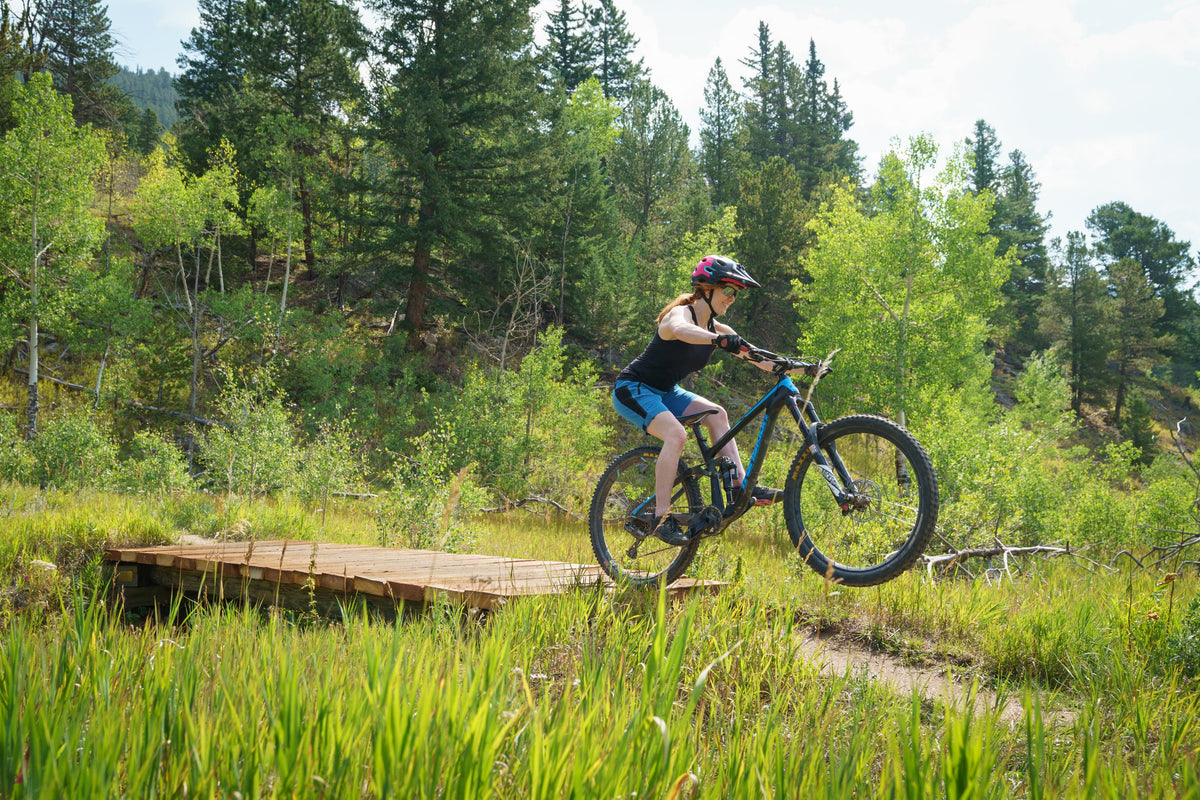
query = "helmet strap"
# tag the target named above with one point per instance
(707, 298)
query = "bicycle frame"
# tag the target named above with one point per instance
(783, 395)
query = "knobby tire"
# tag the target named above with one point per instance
(879, 539)
(626, 484)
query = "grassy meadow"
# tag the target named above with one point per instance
(585, 695)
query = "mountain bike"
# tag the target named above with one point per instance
(860, 499)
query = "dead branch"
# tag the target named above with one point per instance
(954, 560)
(1128, 555)
(1171, 550)
(524, 502)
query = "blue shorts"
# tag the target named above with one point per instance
(640, 403)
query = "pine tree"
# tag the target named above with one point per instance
(758, 116)
(458, 113)
(304, 64)
(772, 223)
(1076, 314)
(650, 154)
(78, 50)
(146, 136)
(821, 123)
(614, 46)
(571, 46)
(1021, 230)
(584, 224)
(1123, 233)
(1138, 428)
(793, 114)
(985, 155)
(17, 60)
(1136, 310)
(214, 56)
(215, 104)
(721, 148)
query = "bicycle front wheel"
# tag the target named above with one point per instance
(894, 512)
(622, 515)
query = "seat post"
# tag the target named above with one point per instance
(694, 422)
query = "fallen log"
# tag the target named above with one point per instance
(131, 403)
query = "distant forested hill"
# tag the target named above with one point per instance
(150, 89)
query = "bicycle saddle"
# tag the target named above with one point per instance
(692, 419)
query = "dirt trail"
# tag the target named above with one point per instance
(837, 657)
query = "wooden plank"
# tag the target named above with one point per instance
(387, 575)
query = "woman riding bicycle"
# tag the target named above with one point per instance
(647, 394)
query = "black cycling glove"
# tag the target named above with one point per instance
(818, 370)
(731, 342)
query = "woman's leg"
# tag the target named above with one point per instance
(718, 425)
(674, 437)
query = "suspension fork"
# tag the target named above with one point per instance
(828, 462)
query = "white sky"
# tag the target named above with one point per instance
(1102, 96)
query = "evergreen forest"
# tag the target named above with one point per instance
(435, 242)
(416, 255)
(372, 284)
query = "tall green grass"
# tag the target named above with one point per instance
(585, 694)
(582, 695)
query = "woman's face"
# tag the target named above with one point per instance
(723, 297)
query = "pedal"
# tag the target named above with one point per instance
(708, 518)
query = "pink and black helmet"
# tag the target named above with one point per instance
(719, 269)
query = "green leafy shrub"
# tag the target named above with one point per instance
(330, 463)
(72, 450)
(16, 461)
(1007, 476)
(155, 464)
(256, 452)
(1043, 397)
(324, 369)
(1185, 643)
(430, 504)
(536, 430)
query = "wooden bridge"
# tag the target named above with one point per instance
(327, 577)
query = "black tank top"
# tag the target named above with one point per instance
(665, 362)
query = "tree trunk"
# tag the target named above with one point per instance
(418, 289)
(31, 431)
(1121, 375)
(253, 248)
(100, 373)
(310, 257)
(220, 267)
(196, 352)
(287, 269)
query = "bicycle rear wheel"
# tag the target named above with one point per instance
(622, 514)
(886, 529)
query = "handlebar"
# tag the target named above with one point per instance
(783, 364)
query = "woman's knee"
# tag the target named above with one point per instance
(719, 420)
(667, 428)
